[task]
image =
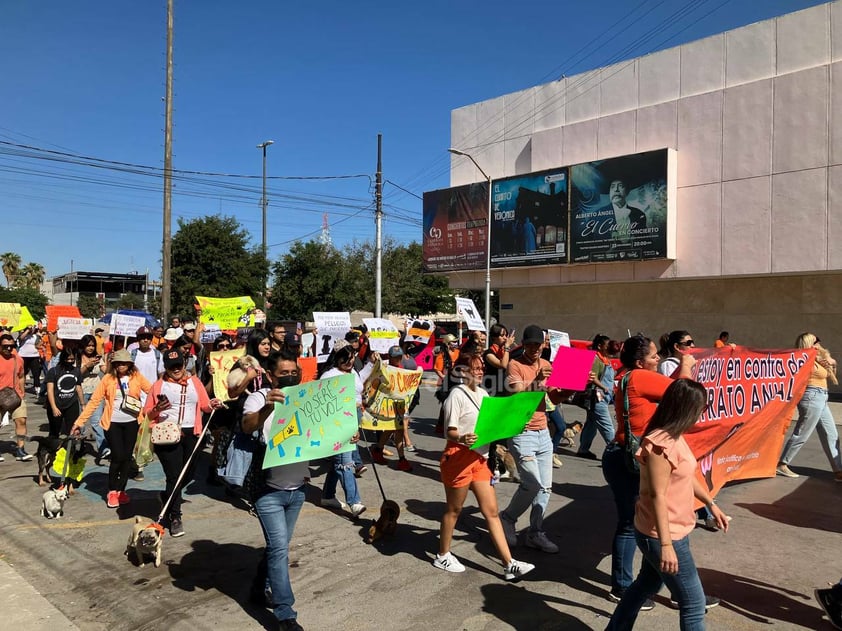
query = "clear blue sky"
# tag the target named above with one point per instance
(321, 79)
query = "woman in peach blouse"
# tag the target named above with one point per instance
(665, 511)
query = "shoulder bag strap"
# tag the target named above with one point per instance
(468, 394)
(624, 383)
(181, 403)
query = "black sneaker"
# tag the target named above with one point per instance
(21, 455)
(710, 602)
(831, 601)
(616, 595)
(290, 624)
(176, 527)
(587, 455)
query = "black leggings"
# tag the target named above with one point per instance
(173, 458)
(121, 440)
(32, 365)
(63, 424)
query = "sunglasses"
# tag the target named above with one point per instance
(8, 347)
(687, 343)
(221, 346)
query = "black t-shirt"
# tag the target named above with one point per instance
(64, 380)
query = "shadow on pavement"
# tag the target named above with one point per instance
(525, 610)
(805, 507)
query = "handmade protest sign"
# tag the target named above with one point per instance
(425, 358)
(752, 394)
(382, 334)
(315, 420)
(209, 333)
(309, 368)
(331, 326)
(123, 325)
(571, 368)
(557, 339)
(227, 313)
(74, 328)
(387, 395)
(67, 311)
(503, 417)
(419, 331)
(466, 308)
(307, 340)
(222, 362)
(15, 316)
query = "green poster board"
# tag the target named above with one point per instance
(504, 417)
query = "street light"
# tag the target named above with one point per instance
(488, 247)
(264, 203)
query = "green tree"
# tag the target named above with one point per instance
(11, 264)
(129, 301)
(32, 299)
(89, 306)
(30, 276)
(211, 257)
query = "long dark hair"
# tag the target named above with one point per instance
(682, 405)
(253, 341)
(598, 340)
(336, 358)
(672, 340)
(83, 343)
(635, 349)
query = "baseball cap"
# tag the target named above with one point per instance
(292, 339)
(144, 330)
(395, 351)
(448, 338)
(533, 334)
(190, 326)
(172, 335)
(338, 345)
(352, 336)
(173, 359)
(122, 356)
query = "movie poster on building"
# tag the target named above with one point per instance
(455, 228)
(623, 209)
(529, 219)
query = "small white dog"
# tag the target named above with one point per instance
(238, 372)
(52, 506)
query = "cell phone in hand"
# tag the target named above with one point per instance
(162, 398)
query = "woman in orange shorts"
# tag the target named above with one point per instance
(463, 468)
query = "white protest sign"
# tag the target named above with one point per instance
(419, 331)
(557, 339)
(468, 310)
(382, 334)
(307, 344)
(332, 326)
(209, 333)
(74, 328)
(126, 325)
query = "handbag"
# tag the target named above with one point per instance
(632, 441)
(169, 432)
(9, 400)
(130, 405)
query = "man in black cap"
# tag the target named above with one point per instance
(532, 449)
(292, 344)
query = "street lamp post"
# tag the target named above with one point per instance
(487, 247)
(264, 202)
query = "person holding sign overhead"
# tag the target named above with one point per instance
(463, 468)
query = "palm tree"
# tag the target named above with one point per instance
(31, 276)
(11, 265)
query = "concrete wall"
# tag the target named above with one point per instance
(755, 115)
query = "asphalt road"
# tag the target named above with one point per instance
(71, 573)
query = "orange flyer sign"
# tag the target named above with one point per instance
(54, 312)
(752, 394)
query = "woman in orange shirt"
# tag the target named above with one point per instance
(665, 514)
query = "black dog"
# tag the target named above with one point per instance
(45, 456)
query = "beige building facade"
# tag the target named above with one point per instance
(755, 116)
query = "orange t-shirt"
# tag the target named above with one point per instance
(645, 389)
(520, 372)
(719, 344)
(11, 371)
(680, 498)
(438, 362)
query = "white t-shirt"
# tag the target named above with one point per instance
(358, 382)
(173, 392)
(117, 415)
(284, 477)
(668, 365)
(28, 349)
(149, 365)
(461, 408)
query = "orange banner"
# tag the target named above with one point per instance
(752, 395)
(308, 368)
(54, 312)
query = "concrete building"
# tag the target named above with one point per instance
(107, 286)
(755, 116)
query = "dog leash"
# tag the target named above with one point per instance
(184, 470)
(373, 465)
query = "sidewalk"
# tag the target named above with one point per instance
(25, 608)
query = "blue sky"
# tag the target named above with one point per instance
(321, 79)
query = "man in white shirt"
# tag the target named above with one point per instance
(147, 360)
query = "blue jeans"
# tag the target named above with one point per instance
(533, 453)
(685, 586)
(96, 428)
(342, 471)
(556, 417)
(278, 512)
(813, 414)
(625, 487)
(599, 419)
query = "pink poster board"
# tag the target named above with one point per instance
(424, 359)
(571, 368)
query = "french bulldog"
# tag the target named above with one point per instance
(52, 505)
(146, 540)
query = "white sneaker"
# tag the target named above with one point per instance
(2, 459)
(540, 541)
(510, 531)
(357, 509)
(333, 503)
(785, 471)
(517, 569)
(506, 475)
(448, 563)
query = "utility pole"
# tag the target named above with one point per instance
(167, 245)
(264, 202)
(378, 235)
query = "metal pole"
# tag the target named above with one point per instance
(487, 243)
(378, 235)
(264, 202)
(166, 262)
